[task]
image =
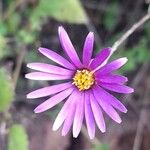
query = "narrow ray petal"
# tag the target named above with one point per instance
(70, 117)
(114, 65)
(88, 48)
(100, 58)
(46, 76)
(112, 78)
(90, 122)
(51, 102)
(46, 91)
(68, 47)
(56, 58)
(117, 88)
(97, 113)
(110, 99)
(106, 106)
(79, 115)
(49, 68)
(64, 112)
(69, 120)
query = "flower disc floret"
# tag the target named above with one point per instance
(83, 79)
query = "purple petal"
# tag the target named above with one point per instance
(100, 58)
(46, 91)
(64, 112)
(51, 102)
(79, 115)
(111, 78)
(46, 76)
(110, 99)
(68, 122)
(89, 117)
(68, 47)
(114, 65)
(105, 105)
(49, 68)
(88, 48)
(70, 117)
(56, 58)
(117, 88)
(97, 114)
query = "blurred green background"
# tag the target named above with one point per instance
(26, 25)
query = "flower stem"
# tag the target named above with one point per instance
(129, 32)
(125, 36)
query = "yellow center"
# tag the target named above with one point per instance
(83, 79)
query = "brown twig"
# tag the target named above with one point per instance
(92, 28)
(141, 123)
(20, 58)
(137, 79)
(129, 32)
(12, 9)
(125, 36)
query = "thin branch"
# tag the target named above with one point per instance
(141, 123)
(125, 36)
(18, 65)
(139, 132)
(129, 32)
(137, 79)
(11, 9)
(135, 83)
(90, 26)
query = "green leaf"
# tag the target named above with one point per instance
(32, 56)
(111, 15)
(26, 37)
(9, 2)
(5, 50)
(3, 45)
(6, 91)
(70, 11)
(101, 146)
(17, 138)
(3, 29)
(13, 22)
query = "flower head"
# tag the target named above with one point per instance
(85, 90)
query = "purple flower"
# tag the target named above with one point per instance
(86, 88)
